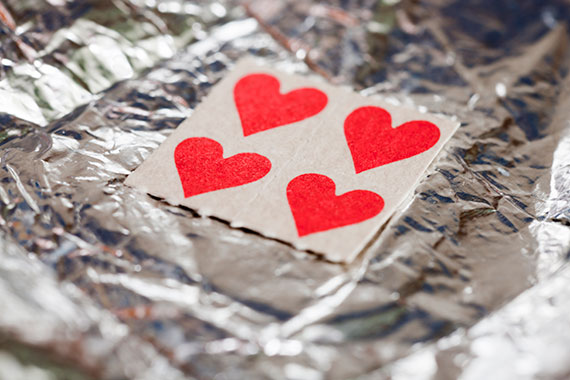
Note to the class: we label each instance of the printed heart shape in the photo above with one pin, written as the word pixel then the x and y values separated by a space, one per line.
pixel 202 168
pixel 316 207
pixel 262 107
pixel 373 142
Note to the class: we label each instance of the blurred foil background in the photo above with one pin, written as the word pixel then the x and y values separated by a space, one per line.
pixel 471 279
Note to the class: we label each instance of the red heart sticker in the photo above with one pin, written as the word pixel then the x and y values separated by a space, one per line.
pixel 373 142
pixel 202 168
pixel 316 208
pixel 262 107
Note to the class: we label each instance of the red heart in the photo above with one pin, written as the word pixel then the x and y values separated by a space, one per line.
pixel 315 207
pixel 202 168
pixel 373 142
pixel 262 107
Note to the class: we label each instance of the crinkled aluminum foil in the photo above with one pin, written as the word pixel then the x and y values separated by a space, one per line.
pixel 98 280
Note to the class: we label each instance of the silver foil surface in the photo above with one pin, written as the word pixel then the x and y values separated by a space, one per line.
pixel 98 281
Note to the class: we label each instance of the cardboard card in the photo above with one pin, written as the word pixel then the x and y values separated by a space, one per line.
pixel 295 159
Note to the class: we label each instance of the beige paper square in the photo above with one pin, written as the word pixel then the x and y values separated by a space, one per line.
pixel 316 144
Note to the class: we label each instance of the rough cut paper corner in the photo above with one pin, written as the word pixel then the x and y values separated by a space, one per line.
pixel 295 159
